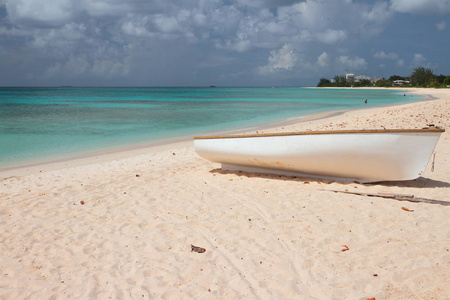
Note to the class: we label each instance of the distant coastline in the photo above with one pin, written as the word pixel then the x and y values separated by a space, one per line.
pixel 420 77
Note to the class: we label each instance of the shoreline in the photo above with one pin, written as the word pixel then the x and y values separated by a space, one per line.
pixel 123 228
pixel 99 156
pixel 118 153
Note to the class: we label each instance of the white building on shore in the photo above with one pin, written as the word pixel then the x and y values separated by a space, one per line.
pixel 350 77
pixel 400 82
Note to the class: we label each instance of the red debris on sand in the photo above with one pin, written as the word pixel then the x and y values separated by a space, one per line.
pixel 82 202
pixel 407 209
pixel 345 248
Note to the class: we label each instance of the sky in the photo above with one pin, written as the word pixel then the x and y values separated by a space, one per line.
pixel 218 42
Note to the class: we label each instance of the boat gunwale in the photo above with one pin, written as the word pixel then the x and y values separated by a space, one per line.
pixel 423 130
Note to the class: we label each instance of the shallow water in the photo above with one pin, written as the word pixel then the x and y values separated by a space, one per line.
pixel 44 123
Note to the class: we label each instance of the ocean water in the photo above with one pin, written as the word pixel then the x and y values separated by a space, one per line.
pixel 38 124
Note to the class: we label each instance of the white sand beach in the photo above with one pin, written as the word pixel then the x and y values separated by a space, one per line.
pixel 122 226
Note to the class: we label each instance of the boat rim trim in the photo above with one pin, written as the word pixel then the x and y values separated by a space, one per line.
pixel 427 129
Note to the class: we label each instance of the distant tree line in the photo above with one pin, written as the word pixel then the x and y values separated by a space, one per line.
pixel 420 77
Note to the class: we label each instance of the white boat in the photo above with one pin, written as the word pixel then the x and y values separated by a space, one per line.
pixel 356 155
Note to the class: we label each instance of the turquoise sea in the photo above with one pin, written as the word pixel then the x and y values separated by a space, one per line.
pixel 38 124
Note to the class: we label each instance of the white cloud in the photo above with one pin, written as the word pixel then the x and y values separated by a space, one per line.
pixel 349 17
pixel 379 12
pixel 353 64
pixel 224 21
pixel 285 58
pixel 441 26
pixel 105 7
pixel 241 46
pixel 422 7
pixel 59 40
pixel 329 22
pixel 400 63
pixel 280 60
pixel 418 59
pixel 41 12
pixel 384 55
pixel 265 3
pixel 323 59
pixel 136 26
pixel 166 24
pixel 331 36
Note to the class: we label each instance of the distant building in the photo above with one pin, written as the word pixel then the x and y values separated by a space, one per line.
pixel 362 77
pixel 349 77
pixel 400 82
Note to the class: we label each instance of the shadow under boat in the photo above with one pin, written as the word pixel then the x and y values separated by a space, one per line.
pixel 421 182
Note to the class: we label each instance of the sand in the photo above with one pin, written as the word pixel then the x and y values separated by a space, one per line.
pixel 122 228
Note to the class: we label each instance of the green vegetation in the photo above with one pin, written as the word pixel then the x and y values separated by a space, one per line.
pixel 420 77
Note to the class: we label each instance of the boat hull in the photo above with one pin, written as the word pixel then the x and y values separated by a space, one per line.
pixel 365 156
